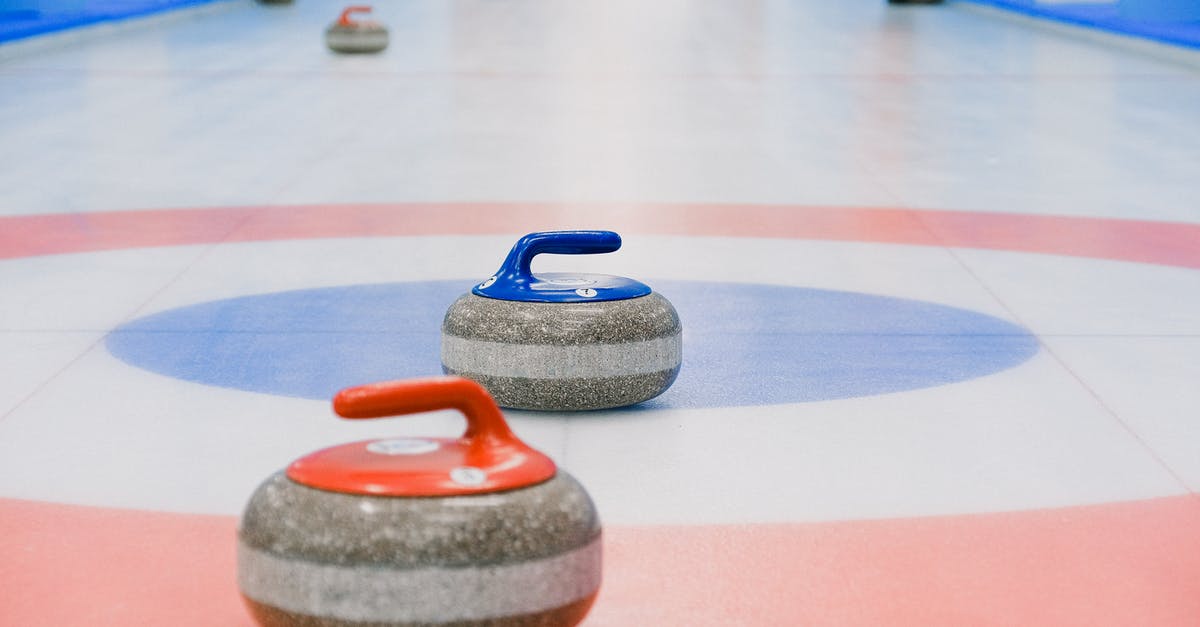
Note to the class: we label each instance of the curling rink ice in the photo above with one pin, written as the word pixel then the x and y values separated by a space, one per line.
pixel 938 270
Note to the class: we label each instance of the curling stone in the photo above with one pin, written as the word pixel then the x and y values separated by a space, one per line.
pixel 479 530
pixel 348 36
pixel 562 341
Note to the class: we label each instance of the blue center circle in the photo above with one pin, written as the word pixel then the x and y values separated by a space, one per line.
pixel 744 344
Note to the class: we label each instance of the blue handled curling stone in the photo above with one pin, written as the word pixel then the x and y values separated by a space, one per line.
pixel 563 341
pixel 346 35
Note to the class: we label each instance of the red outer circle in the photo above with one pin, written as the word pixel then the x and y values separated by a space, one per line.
pixel 1142 241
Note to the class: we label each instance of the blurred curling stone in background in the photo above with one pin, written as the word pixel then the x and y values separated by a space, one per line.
pixel 347 36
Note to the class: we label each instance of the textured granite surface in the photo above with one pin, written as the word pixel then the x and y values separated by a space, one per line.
pixel 368 593
pixel 316 556
pixel 604 322
pixel 289 519
pixel 564 356
pixel 362 37
pixel 565 616
pixel 577 394
pixel 546 361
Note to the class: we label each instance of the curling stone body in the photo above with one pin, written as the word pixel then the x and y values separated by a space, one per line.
pixel 496 536
pixel 559 356
pixel 562 341
pixel 352 37
pixel 529 556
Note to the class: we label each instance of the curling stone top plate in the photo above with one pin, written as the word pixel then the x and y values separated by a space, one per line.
pixel 515 281
pixel 487 458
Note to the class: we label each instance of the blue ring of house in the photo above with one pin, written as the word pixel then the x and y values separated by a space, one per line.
pixel 744 344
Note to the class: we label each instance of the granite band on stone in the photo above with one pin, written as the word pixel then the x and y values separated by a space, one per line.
pixel 356 39
pixel 603 322
pixel 564 356
pixel 570 614
pixel 547 361
pixel 287 518
pixel 524 557
pixel 367 593
pixel 575 393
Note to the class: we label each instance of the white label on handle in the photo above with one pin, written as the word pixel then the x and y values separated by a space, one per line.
pixel 570 281
pixel 468 476
pixel 402 446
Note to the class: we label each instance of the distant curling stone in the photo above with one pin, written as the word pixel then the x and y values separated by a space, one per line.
pixel 480 530
pixel 563 341
pixel 274 1
pixel 348 36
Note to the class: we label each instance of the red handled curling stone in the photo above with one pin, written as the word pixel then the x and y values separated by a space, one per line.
pixel 563 341
pixel 479 530
pixel 349 36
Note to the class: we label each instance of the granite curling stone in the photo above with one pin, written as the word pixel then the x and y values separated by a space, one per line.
pixel 480 530
pixel 351 37
pixel 563 341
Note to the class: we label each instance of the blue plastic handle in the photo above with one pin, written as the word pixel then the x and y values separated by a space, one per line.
pixel 516 267
pixel 516 281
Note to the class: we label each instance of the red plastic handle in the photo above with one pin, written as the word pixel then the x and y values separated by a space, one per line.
pixel 486 427
pixel 344 19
